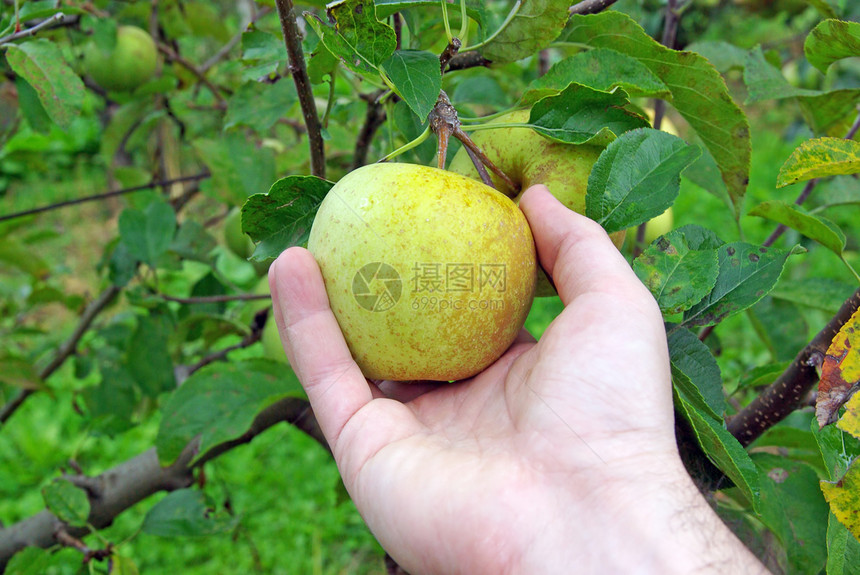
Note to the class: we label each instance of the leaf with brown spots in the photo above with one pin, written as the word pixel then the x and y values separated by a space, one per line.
pixel 747 273
pixel 844 498
pixel 840 373
pixel 677 272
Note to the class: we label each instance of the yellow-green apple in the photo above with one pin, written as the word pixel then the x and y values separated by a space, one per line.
pixel 238 242
pixel 430 274
pixel 271 341
pixel 659 226
pixel 129 65
pixel 528 158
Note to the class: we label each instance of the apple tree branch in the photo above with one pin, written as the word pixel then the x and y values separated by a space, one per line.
pixel 299 72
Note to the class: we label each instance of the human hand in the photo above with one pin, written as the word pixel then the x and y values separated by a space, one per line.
pixel 560 456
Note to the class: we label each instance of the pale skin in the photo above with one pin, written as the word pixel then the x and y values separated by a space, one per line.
pixel 558 458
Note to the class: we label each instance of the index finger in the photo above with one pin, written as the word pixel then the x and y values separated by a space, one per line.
pixel 314 342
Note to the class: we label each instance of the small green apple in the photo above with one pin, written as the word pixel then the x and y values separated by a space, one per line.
pixel 430 274
pixel 528 158
pixel 271 341
pixel 131 63
pixel 659 226
pixel 238 242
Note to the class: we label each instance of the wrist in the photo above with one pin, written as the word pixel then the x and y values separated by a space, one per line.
pixel 648 522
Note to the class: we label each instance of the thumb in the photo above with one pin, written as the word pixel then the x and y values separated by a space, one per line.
pixel 574 250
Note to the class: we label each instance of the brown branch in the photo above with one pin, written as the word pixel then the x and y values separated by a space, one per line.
pixel 200 75
pixel 58 19
pixel 449 52
pixel 373 120
pixel 467 60
pixel 65 350
pixel 590 7
pixel 128 483
pixel 786 394
pixel 299 73
pixel 102 196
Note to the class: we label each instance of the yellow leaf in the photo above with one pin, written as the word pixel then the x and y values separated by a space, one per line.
pixel 840 372
pixel 850 420
pixel 844 498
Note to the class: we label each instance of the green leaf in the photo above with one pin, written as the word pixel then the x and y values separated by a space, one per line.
pixel 843 549
pixel 762 375
pixel 24 258
pixel 19 372
pixel 747 274
pixel 259 105
pixel 837 448
pixel 359 33
pixel 283 217
pixel 780 326
pixel 262 53
pixel 722 55
pixel 29 561
pixel 636 178
pixel 579 114
pixel 529 28
pixel 820 158
pixel 678 274
pixel 67 501
pixel 321 64
pixel 239 168
pixel 817 293
pixel 830 41
pixel 699 93
pixel 148 234
pixel 148 355
pixel 600 69
pixel 723 449
pixel 31 107
pixel 794 510
pixel 219 403
pixel 184 513
pixel 417 77
pixel 696 374
pixel 193 242
pixel 824 111
pixel 41 64
pixel 814 227
pixel 764 82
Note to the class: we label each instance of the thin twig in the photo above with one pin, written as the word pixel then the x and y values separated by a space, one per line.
pixel 200 75
pixel 96 197
pixel 299 72
pixel 373 119
pixel 215 298
pixel 51 22
pixel 65 350
pixel 590 7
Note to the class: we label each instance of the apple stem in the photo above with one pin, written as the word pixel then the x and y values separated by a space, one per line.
pixel 482 170
pixel 445 123
pixel 473 148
